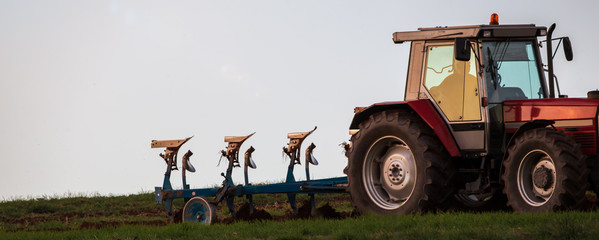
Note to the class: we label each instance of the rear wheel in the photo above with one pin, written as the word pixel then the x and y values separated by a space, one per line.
pixel 544 171
pixel 397 165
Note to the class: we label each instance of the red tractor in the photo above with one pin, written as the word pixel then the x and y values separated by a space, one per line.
pixel 480 125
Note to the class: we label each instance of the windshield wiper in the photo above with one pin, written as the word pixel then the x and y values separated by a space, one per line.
pixel 503 52
pixel 494 66
pixel 491 68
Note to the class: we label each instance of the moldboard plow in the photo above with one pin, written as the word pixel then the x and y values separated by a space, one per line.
pixel 200 204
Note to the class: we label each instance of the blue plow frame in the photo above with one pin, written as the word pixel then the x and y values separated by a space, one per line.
pixel 327 185
pixel 228 191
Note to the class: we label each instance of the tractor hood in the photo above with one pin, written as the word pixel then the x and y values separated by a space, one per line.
pixel 549 109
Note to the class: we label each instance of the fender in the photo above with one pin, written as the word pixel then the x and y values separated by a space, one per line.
pixel 539 123
pixel 424 108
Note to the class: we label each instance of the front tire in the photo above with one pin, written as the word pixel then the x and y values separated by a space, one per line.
pixel 544 171
pixel 397 165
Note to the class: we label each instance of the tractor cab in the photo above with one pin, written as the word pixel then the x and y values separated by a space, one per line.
pixel 468 72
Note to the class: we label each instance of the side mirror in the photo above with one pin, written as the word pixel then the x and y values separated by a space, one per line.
pixel 568 49
pixel 462 49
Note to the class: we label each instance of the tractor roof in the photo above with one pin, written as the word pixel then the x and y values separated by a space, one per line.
pixel 473 31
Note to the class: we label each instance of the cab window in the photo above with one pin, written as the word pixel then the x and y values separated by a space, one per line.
pixel 452 84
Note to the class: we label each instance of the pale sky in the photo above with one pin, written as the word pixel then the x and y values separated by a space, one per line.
pixel 86 85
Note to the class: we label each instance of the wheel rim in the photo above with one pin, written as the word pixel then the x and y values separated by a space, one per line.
pixel 536 178
pixel 198 210
pixel 389 173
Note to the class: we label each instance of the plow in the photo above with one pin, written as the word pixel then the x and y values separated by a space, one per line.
pixel 200 204
pixel 483 123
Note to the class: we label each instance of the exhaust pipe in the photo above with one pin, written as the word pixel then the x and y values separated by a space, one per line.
pixel 550 62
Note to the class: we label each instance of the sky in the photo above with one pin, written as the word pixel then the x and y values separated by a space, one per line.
pixel 86 85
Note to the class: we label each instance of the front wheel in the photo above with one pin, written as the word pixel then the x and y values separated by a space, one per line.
pixel 544 171
pixel 397 165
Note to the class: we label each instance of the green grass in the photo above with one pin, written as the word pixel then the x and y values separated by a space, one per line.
pixel 566 225
pixel 71 212
pixel 127 217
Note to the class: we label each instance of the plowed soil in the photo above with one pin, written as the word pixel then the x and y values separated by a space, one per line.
pixel 98 218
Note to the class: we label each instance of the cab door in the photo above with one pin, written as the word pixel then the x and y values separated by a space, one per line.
pixel 454 87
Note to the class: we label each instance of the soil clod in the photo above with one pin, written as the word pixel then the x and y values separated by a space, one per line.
pixel 259 214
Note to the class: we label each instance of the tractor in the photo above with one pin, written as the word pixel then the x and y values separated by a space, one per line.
pixel 481 126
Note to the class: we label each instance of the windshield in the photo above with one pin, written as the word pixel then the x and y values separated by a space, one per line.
pixel 511 71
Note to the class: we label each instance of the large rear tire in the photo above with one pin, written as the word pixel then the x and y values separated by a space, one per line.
pixel 397 165
pixel 544 171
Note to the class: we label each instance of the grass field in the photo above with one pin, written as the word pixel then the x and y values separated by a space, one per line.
pixel 139 217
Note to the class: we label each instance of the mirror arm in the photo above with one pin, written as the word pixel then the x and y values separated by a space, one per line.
pixel 479 61
pixel 557 47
